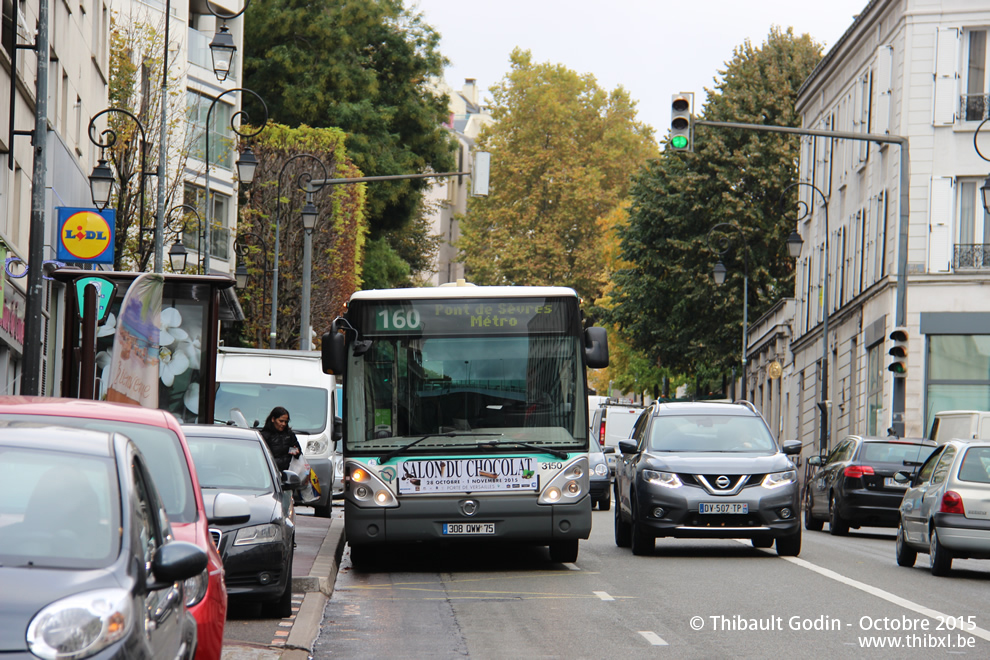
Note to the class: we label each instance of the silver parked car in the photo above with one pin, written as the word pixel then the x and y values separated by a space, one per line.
pixel 946 508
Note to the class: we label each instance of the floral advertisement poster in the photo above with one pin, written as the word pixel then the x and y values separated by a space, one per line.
pixel 180 353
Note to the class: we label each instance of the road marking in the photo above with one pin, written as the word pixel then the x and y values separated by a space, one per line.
pixel 602 595
pixel 880 593
pixel 653 638
pixel 572 567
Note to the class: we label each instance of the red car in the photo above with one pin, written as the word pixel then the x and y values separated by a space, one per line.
pixel 159 437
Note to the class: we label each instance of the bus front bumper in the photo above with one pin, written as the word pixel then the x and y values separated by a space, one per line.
pixel 444 519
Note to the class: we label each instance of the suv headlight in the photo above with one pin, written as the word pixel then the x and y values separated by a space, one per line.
pixel 665 479
pixel 81 625
pixel 268 533
pixel 778 479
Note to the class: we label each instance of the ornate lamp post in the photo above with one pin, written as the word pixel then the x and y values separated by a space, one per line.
pixel 241 273
pixel 101 180
pixel 805 210
pixel 246 165
pixel 177 254
pixel 720 242
pixel 304 182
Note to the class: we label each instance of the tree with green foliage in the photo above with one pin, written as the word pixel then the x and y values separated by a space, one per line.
pixel 363 66
pixel 562 153
pixel 665 301
pixel 337 241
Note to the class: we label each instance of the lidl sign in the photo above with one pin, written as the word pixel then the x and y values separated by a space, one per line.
pixel 85 235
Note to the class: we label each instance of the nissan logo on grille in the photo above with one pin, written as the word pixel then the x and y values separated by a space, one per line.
pixel 722 481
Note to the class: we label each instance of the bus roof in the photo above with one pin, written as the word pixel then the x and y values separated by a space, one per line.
pixel 470 291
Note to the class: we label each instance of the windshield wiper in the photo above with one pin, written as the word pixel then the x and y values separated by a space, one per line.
pixel 496 443
pixel 395 452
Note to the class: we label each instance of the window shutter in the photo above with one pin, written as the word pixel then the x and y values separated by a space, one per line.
pixel 939 245
pixel 885 56
pixel 946 68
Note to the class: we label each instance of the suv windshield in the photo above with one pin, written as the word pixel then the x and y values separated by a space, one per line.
pixel 711 433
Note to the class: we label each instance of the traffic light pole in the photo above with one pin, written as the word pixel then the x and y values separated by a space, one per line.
pixel 900 301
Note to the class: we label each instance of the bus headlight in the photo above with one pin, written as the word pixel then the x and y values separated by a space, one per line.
pixel 567 486
pixel 365 489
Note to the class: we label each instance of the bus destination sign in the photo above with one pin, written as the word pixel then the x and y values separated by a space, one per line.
pixel 481 316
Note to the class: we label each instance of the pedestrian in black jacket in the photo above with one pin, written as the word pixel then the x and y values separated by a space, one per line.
pixel 281 439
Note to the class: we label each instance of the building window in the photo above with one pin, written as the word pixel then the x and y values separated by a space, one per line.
pixel 975 100
pixel 958 374
pixel 219 239
pixel 972 248
pixel 221 134
pixel 874 387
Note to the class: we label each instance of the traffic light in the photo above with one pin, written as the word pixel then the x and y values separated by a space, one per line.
pixel 899 351
pixel 682 121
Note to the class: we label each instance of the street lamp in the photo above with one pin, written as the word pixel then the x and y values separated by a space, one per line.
pixel 720 242
pixel 794 243
pixel 102 179
pixel 246 165
pixel 177 254
pixel 222 49
pixel 304 182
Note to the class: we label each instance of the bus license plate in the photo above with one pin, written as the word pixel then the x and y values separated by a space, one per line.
pixel 729 508
pixel 453 529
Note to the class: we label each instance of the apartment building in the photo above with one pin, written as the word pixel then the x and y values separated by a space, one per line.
pixel 916 69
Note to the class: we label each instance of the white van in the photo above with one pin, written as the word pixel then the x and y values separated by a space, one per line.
pixel 960 425
pixel 253 381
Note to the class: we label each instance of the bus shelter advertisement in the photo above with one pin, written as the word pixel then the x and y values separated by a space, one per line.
pixel 469 475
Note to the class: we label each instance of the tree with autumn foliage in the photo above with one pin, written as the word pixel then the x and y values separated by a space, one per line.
pixel 562 153
pixel 665 300
pixel 337 241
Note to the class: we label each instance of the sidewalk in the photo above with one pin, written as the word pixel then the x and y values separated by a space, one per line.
pixel 319 543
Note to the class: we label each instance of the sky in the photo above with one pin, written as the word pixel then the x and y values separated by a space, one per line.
pixel 652 48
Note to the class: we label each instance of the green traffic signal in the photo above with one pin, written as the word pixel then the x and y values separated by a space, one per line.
pixel 679 142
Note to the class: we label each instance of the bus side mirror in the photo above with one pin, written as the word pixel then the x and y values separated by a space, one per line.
pixel 333 352
pixel 596 347
pixel 337 432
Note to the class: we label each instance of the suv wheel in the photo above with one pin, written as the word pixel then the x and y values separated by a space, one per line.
pixel 623 533
pixel 906 555
pixel 941 558
pixel 789 546
pixel 811 523
pixel 605 503
pixel 836 525
pixel 641 542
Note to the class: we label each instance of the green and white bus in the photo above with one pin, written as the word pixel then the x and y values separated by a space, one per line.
pixel 465 416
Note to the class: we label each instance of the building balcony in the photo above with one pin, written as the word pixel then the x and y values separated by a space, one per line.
pixel 971 256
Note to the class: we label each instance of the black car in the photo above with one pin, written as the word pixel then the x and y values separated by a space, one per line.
pixel 257 554
pixel 87 564
pixel 706 470
pixel 600 476
pixel 854 485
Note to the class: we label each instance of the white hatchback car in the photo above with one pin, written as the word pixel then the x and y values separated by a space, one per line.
pixel 945 511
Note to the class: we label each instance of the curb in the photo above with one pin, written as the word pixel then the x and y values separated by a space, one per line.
pixel 318 588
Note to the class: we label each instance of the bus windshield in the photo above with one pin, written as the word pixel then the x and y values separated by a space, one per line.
pixel 464 391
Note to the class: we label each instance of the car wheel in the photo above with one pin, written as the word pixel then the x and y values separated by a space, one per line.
pixel 941 559
pixel 641 541
pixel 605 503
pixel 811 523
pixel 906 555
pixel 623 533
pixel 789 546
pixel 325 511
pixel 763 542
pixel 836 525
pixel 564 552
pixel 281 607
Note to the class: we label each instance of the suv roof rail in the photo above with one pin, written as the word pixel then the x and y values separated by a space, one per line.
pixel 748 404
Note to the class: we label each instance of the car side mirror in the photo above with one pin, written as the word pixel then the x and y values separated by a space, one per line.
pixel 229 509
pixel 903 477
pixel 175 561
pixel 338 432
pixel 291 480
pixel 815 460
pixel 792 447
pixel 627 447
pixel 608 450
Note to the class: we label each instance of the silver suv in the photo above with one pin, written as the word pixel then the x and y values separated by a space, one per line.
pixel 706 470
pixel 945 511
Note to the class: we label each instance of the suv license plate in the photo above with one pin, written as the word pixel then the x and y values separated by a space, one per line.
pixel 730 508
pixel 455 529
